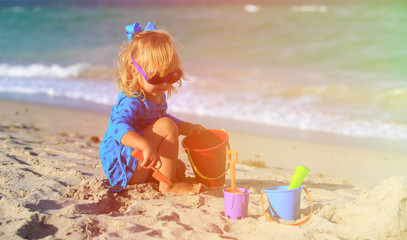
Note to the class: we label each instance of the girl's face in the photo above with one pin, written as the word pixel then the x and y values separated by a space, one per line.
pixel 155 87
pixel 155 91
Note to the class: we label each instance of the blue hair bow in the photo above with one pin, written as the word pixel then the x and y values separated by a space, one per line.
pixel 136 27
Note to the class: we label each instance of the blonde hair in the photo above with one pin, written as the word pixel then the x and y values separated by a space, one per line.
pixel 154 52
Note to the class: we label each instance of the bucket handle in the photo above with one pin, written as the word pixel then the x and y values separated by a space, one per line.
pixel 292 224
pixel 199 173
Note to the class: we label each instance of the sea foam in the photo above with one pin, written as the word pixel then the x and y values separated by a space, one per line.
pixel 40 70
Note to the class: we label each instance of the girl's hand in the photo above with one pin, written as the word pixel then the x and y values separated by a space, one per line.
pixel 151 158
pixel 187 128
pixel 196 128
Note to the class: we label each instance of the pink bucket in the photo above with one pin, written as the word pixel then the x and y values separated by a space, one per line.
pixel 236 204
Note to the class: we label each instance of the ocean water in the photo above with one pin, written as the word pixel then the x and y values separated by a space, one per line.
pixel 327 66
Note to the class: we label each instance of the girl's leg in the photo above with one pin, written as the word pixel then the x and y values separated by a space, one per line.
pixel 181 168
pixel 140 175
pixel 163 134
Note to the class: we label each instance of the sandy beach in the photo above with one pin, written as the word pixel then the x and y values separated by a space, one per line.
pixel 52 186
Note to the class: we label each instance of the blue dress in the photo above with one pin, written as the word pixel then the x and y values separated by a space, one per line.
pixel 128 114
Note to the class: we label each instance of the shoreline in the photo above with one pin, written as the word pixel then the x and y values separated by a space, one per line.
pixel 53 186
pixel 370 143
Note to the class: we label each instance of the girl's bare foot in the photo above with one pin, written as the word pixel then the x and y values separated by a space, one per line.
pixel 181 188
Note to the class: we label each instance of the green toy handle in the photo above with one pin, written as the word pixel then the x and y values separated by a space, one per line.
pixel 299 175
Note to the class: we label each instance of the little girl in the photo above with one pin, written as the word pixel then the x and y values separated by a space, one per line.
pixel 147 68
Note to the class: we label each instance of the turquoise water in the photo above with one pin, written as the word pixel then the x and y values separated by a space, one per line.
pixel 330 66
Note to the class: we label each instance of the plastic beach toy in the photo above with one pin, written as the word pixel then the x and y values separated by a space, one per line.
pixel 236 204
pixel 207 154
pixel 284 203
pixel 236 199
pixel 299 175
pixel 156 174
pixel 233 188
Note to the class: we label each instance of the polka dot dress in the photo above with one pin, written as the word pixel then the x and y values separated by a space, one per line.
pixel 128 114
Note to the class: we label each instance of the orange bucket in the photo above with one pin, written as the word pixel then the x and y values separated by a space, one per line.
pixel 207 154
